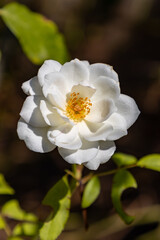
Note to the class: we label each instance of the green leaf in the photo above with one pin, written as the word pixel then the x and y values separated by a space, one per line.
pixel 91 192
pixel 151 161
pixel 13 210
pixel 121 181
pixel 58 198
pixel 2 223
pixel 38 36
pixel 25 229
pixel 122 159
pixel 4 187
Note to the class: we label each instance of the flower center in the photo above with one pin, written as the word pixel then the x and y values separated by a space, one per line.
pixel 77 107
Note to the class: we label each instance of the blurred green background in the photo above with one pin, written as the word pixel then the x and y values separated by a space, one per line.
pixel 126 35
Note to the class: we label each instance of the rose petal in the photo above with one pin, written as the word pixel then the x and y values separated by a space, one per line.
pixel 127 107
pixel 87 152
pixel 101 110
pixel 76 71
pixel 94 131
pixel 50 114
pixel 99 69
pixel 106 86
pixel 65 136
pixel 55 88
pixel 84 91
pixel 86 63
pixel 119 127
pixel 35 138
pixel 31 113
pixel 32 87
pixel 106 150
pixel 48 67
pixel 57 80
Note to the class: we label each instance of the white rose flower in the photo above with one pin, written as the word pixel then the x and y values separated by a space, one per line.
pixel 77 107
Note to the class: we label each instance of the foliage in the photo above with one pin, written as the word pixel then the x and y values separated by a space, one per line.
pixel 91 192
pixel 121 181
pixel 38 36
pixel 151 161
pixel 4 187
pixel 122 159
pixel 58 198
pixel 26 223
pixel 41 40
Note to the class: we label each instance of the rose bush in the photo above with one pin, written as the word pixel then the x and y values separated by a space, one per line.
pixel 77 107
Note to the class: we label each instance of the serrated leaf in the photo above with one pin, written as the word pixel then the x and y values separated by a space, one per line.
pixel 91 192
pixel 38 36
pixel 25 229
pixel 4 187
pixel 151 161
pixel 122 159
pixel 121 181
pixel 13 210
pixel 2 223
pixel 58 198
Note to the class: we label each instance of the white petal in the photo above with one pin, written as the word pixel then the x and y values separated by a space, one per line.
pixel 106 86
pixel 32 87
pixel 31 113
pixel 48 67
pixel 35 138
pixel 119 126
pixel 76 71
pixel 65 136
pixel 127 108
pixel 101 110
pixel 86 63
pixel 94 131
pixel 50 114
pixel 87 152
pixel 64 117
pixel 55 88
pixel 84 91
pixel 100 69
pixel 106 150
pixel 57 80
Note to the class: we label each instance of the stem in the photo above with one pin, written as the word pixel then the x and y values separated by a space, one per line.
pixel 89 176
pixel 84 210
pixel 114 170
pixel 6 228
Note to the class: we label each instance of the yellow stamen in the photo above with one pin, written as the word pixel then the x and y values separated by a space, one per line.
pixel 77 107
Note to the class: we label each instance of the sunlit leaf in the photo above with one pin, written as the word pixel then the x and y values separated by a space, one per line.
pixel 151 161
pixel 91 192
pixel 122 159
pixel 2 223
pixel 25 229
pixel 121 181
pixel 58 198
pixel 38 36
pixel 4 187
pixel 13 210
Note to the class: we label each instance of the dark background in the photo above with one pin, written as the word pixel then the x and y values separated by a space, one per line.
pixel 124 34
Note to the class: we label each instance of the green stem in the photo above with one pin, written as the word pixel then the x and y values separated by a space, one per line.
pixel 88 177
pixel 6 228
pixel 114 170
